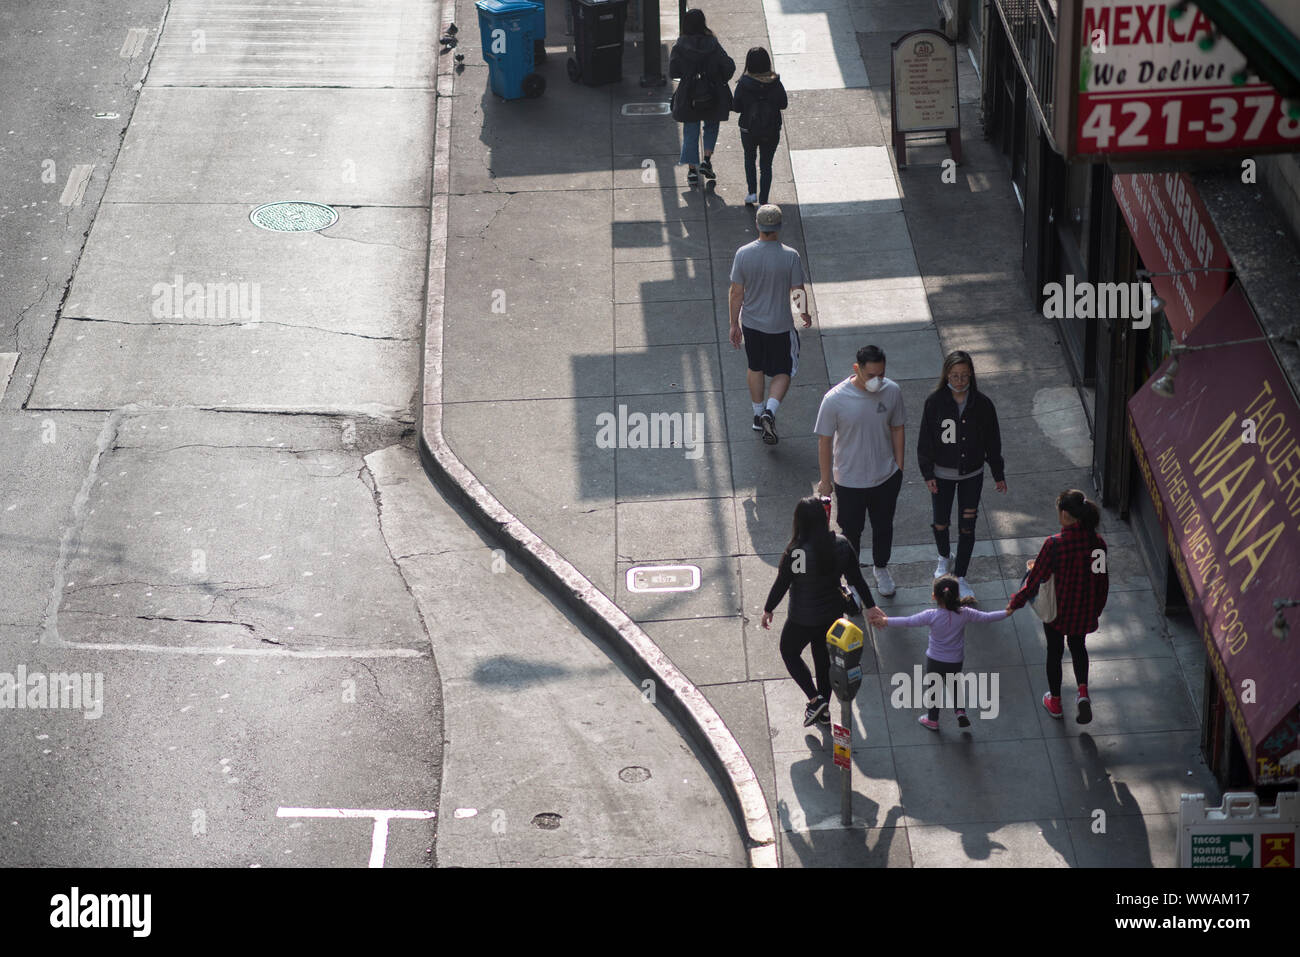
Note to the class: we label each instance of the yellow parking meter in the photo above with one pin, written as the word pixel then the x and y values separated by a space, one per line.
pixel 844 641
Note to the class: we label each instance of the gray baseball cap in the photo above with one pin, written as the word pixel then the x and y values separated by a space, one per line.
pixel 768 218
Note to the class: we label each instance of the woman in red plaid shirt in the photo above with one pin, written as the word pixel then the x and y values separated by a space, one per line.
pixel 1076 558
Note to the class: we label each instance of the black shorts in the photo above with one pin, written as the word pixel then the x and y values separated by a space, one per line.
pixel 772 353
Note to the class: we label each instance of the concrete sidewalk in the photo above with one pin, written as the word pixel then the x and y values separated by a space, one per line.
pixel 583 276
pixel 223 510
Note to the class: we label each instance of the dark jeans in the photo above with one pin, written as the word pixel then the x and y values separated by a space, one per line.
pixel 968 500
pixel 854 505
pixel 1056 651
pixel 763 152
pixel 941 668
pixel 794 639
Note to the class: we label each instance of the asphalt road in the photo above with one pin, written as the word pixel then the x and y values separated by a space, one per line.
pixel 201 544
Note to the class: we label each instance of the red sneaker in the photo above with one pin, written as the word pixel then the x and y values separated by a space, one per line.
pixel 1053 704
pixel 1085 706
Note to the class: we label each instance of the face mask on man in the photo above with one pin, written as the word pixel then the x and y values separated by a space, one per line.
pixel 875 383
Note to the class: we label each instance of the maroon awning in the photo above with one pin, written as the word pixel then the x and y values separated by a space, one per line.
pixel 1231 512
pixel 1172 231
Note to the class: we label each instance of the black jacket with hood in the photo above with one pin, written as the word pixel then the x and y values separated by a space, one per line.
pixel 752 86
pixel 702 54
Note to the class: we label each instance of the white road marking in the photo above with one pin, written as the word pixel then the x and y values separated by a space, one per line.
pixel 378 837
pixel 7 362
pixel 248 652
pixel 78 180
pixel 134 43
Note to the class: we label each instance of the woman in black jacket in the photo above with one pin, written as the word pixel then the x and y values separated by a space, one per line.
pixel 811 568
pixel 760 98
pixel 703 97
pixel 959 433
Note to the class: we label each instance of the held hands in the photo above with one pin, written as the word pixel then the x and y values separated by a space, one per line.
pixel 807 319
pixel 766 621
pixel 932 485
pixel 824 487
pixel 877 617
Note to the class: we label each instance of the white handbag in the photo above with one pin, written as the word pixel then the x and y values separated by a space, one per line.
pixel 1045 601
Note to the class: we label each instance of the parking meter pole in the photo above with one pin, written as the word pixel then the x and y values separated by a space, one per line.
pixel 653 74
pixel 846 773
pixel 844 643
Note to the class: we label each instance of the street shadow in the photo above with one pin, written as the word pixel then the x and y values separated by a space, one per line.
pixel 835 845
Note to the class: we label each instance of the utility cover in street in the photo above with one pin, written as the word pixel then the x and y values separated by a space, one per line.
pixel 294 217
pixel 663 578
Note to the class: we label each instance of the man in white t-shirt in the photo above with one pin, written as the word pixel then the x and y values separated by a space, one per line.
pixel 860 430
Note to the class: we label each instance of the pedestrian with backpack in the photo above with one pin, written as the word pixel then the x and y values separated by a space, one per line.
pixel 760 98
pixel 702 99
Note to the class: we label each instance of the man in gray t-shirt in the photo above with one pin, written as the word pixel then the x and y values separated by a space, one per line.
pixel 860 427
pixel 762 276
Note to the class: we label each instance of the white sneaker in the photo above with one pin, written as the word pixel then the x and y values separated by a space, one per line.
pixel 941 569
pixel 751 199
pixel 964 590
pixel 885 582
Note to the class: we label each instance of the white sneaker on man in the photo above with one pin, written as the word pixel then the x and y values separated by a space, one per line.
pixel 964 590
pixel 941 569
pixel 885 582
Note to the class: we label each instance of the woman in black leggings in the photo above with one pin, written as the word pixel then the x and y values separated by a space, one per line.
pixel 811 568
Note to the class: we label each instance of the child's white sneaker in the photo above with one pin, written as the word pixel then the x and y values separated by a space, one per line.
pixel 964 590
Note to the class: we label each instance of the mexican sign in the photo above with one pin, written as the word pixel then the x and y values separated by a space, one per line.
pixel 1221 458
pixel 1134 83
pixel 1172 231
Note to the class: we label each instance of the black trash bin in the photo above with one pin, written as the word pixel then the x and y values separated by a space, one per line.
pixel 598 41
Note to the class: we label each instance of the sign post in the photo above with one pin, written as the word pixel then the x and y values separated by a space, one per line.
pixel 923 90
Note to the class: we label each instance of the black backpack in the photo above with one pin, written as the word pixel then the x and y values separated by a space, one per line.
pixel 761 120
pixel 700 94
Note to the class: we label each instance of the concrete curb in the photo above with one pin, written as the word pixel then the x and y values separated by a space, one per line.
pixel 638 651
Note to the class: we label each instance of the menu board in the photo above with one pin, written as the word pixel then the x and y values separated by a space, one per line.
pixel 925 82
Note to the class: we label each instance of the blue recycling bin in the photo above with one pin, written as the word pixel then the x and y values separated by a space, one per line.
pixel 507 29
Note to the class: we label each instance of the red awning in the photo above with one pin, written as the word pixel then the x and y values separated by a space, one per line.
pixel 1222 461
pixel 1172 231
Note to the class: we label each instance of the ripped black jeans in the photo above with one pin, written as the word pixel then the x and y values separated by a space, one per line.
pixel 967 492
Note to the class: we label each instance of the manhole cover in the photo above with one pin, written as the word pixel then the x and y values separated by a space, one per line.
pixel 634 774
pixel 547 821
pixel 293 217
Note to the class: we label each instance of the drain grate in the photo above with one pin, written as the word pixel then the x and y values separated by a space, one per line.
pixel 294 217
